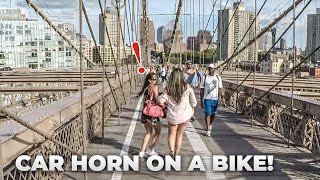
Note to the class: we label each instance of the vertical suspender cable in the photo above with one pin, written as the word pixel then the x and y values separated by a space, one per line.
pixel 137 21
pixel 255 62
pixel 130 41
pixel 123 32
pixel 123 44
pixel 202 31
pixel 198 42
pixel 220 34
pixel 193 37
pixel 263 31
pixel 212 41
pixel 115 63
pixel 146 32
pixel 83 109
pixel 186 26
pixel 118 44
pixel 105 77
pixel 190 22
pixel 181 30
pixel 174 32
pixel 133 27
pixel 103 68
pixel 294 64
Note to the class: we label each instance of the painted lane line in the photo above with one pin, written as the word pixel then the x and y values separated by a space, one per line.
pixel 117 175
pixel 201 149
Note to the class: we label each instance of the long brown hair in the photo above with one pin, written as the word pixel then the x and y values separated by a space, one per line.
pixel 146 83
pixel 176 85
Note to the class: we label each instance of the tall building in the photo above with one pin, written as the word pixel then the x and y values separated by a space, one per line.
pixel 151 33
pixel 203 40
pixel 34 44
pixel 108 58
pixel 235 32
pixel 283 44
pixel 112 26
pixel 274 36
pixel 191 43
pixel 87 46
pixel 265 41
pixel 178 44
pixel 159 34
pixel 313 36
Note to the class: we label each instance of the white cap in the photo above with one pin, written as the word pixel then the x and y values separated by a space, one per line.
pixel 211 66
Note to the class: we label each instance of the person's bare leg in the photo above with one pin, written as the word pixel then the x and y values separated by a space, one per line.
pixel 212 117
pixel 155 135
pixel 208 121
pixel 146 137
pixel 179 137
pixel 172 137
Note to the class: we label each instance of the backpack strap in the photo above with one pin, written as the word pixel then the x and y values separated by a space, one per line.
pixel 204 81
pixel 218 78
pixel 150 92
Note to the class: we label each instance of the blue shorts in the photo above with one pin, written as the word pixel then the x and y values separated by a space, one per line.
pixel 210 106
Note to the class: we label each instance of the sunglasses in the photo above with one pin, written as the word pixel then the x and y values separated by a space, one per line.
pixel 153 79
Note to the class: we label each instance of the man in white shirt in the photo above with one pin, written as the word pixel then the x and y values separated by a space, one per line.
pixel 211 90
pixel 163 73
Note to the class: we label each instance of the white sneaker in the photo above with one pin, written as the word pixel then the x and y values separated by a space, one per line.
pixel 209 133
pixel 152 152
pixel 141 154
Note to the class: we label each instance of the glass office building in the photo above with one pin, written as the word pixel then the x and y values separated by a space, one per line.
pixel 34 44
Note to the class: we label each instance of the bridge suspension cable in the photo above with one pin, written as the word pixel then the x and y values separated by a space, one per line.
pixel 245 34
pixel 229 22
pixel 114 61
pixel 132 20
pixel 146 31
pixel 130 40
pixel 264 30
pixel 294 63
pixel 83 106
pixel 304 60
pixel 175 28
pixel 255 59
pixel 28 125
pixel 56 29
pixel 270 49
pixel 215 29
pixel 123 42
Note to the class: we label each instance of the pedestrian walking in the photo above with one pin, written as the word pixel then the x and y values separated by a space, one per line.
pixel 180 100
pixel 211 90
pixel 151 124
pixel 163 73
pixel 192 77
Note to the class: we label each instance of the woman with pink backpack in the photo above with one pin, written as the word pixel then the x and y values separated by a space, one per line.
pixel 150 118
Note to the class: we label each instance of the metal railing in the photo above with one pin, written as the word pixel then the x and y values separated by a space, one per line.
pixel 274 111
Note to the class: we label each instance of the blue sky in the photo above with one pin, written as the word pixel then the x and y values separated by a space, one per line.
pixel 67 10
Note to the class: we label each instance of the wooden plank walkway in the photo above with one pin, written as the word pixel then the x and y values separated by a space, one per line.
pixel 232 135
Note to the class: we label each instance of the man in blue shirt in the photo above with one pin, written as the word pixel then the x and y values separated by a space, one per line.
pixel 191 76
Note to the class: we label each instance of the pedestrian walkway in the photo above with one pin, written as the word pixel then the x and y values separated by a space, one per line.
pixel 232 135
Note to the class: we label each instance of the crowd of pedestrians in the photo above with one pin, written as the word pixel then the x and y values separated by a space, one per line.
pixel 177 102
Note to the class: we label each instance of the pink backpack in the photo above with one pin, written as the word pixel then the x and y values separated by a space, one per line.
pixel 151 108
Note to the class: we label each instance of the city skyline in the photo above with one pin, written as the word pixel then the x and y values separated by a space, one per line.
pixel 68 12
